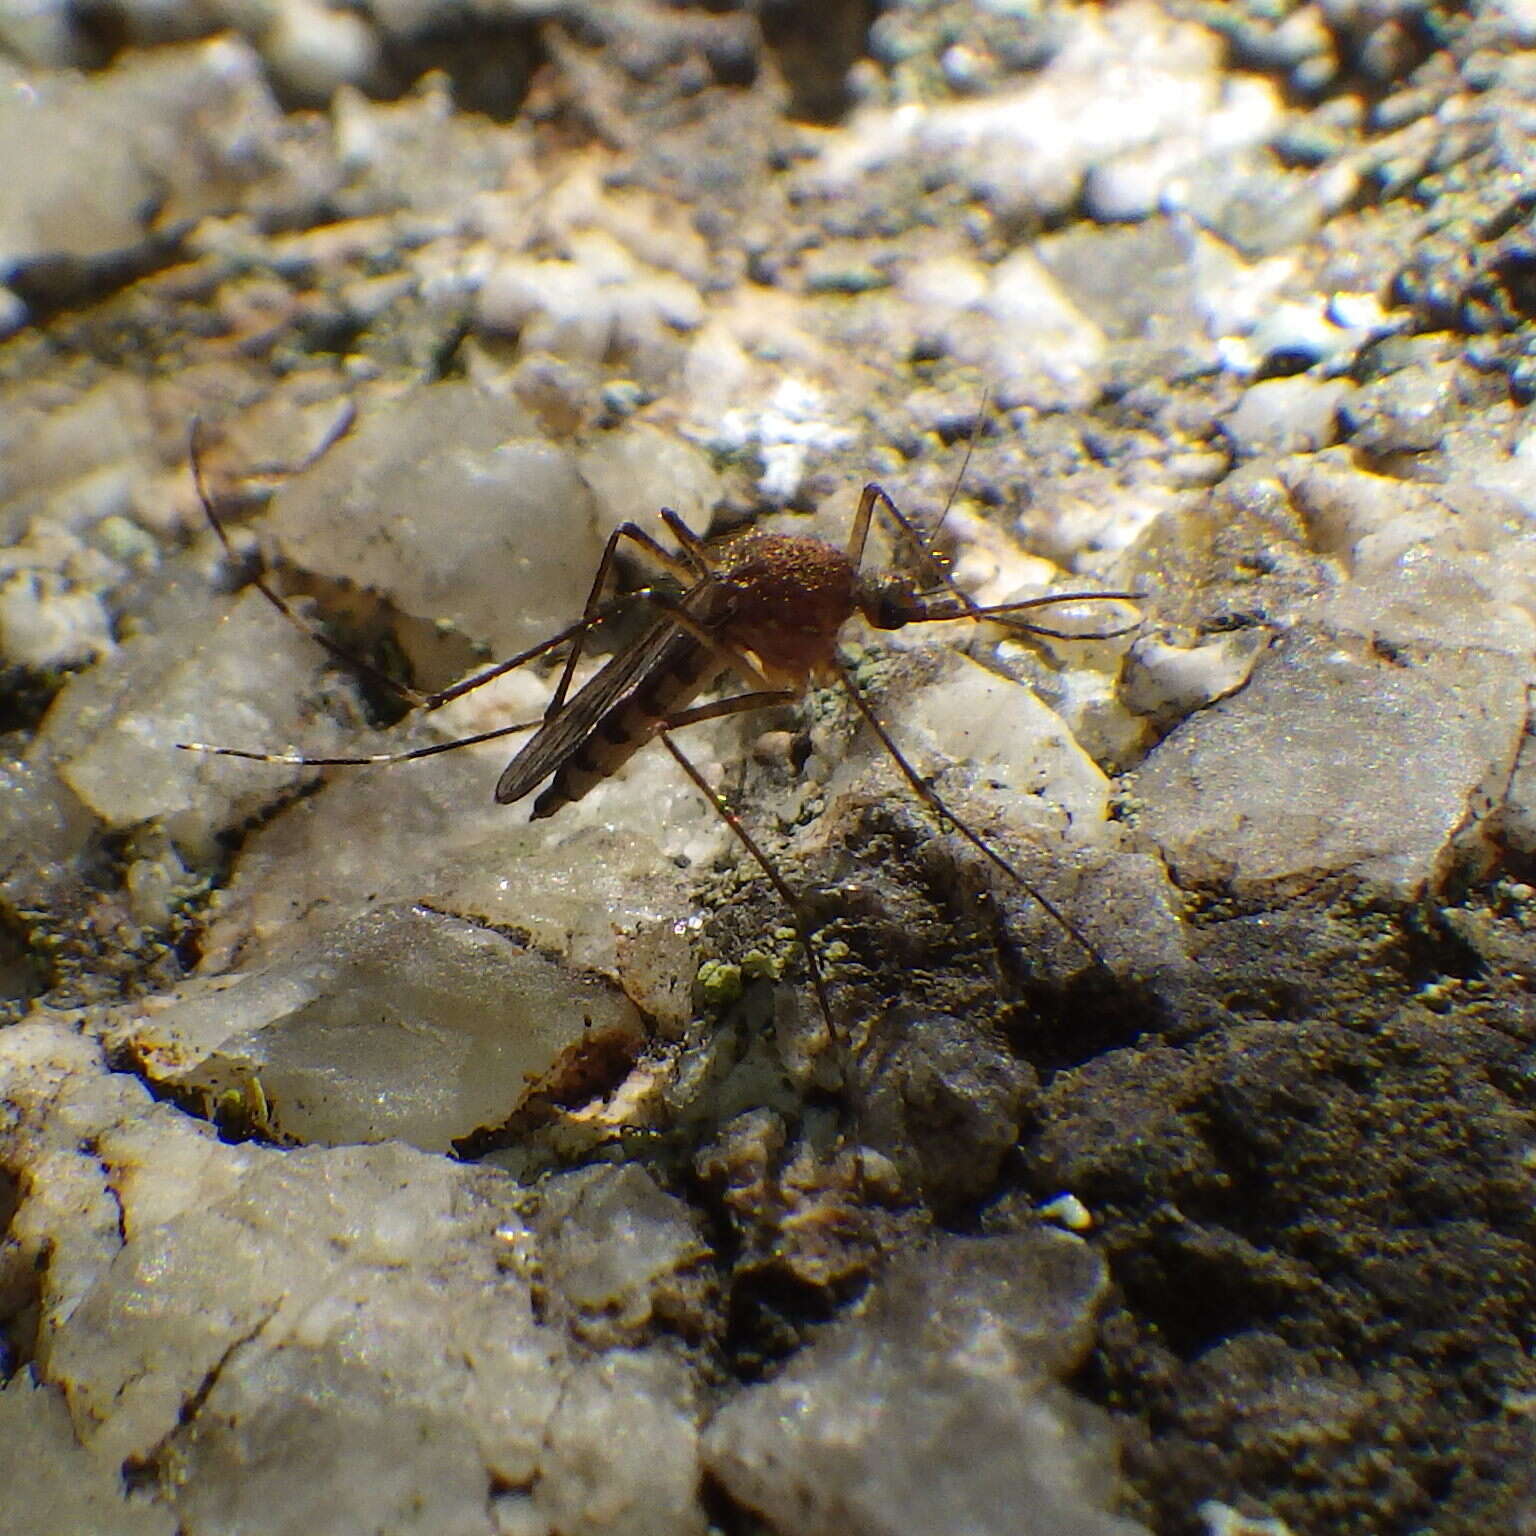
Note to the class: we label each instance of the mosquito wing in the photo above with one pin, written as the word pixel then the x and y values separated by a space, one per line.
pixel 662 651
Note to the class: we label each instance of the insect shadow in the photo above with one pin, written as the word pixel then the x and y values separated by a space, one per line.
pixel 766 608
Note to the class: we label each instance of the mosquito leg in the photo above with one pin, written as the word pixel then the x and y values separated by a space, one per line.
pixel 695 551
pixel 412 696
pixel 858 534
pixel 921 541
pixel 923 545
pixel 710 711
pixel 595 611
pixel 930 797
pixel 299 760
pixel 714 640
pixel 967 607
pixel 690 568
pixel 664 557
pixel 965 463
pixel 345 420
pixel 737 704
pixel 876 496
pixel 574 631
pixel 791 902
pixel 392 685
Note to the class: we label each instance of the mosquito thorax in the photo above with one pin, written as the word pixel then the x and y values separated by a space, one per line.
pixel 791 595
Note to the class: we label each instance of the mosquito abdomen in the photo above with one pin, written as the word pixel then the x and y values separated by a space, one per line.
pixel 679 676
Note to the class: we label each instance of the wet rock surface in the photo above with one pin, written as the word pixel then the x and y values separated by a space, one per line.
pixel 373 1157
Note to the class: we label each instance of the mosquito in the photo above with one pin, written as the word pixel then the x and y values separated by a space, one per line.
pixel 768 608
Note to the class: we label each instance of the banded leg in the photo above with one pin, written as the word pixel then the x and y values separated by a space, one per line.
pixel 723 809
pixel 874 496
pixel 300 760
pixel 930 798
pixel 741 704
pixel 965 606
pixel 687 570
pixel 922 542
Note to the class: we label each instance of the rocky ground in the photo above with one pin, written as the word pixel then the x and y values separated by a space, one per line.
pixel 373 1158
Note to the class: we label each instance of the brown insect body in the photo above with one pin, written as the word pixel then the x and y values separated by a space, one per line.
pixel 790 597
pixel 775 604
pixel 771 608
pixel 613 715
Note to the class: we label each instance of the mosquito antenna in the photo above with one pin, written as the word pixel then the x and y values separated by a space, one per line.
pixel 1008 615
pixel 965 463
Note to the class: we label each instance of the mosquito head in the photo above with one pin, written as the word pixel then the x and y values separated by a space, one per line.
pixel 891 600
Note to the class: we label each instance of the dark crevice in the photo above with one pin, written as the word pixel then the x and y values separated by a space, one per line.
pixel 488 63
pixel 20 1288
pixel 143 1473
pixel 53 286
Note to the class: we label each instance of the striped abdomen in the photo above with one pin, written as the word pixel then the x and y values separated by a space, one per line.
pixel 610 718
pixel 684 670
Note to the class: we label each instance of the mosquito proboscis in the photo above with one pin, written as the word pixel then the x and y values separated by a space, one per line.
pixel 769 608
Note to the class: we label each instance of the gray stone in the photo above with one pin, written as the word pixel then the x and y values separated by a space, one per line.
pixel 451 504
pixel 1120 86
pixel 113 731
pixel 1381 727
pixel 1334 765
pixel 1516 817
pixel 635 470
pixel 40 34
pixel 342 1340
pixel 1406 412
pixel 600 304
pixel 945 1104
pixel 958 1347
pixel 113 161
pixel 1261 209
pixel 623 1257
pixel 406 1024
pixel 67 1490
pixel 1280 416
pixel 967 715
pixel 430 833
pixel 313 50
pixel 1047 351
pixel 621 1457
pixel 107 429
pixel 43 624
pixel 1164 682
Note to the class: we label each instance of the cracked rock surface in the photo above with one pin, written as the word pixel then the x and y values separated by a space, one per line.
pixel 375 1157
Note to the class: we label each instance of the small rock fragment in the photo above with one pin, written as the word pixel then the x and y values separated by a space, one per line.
pixel 508 554
pixel 405 1024
pixel 958 1346
pixel 622 1256
pixel 1167 682
pixel 1279 416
